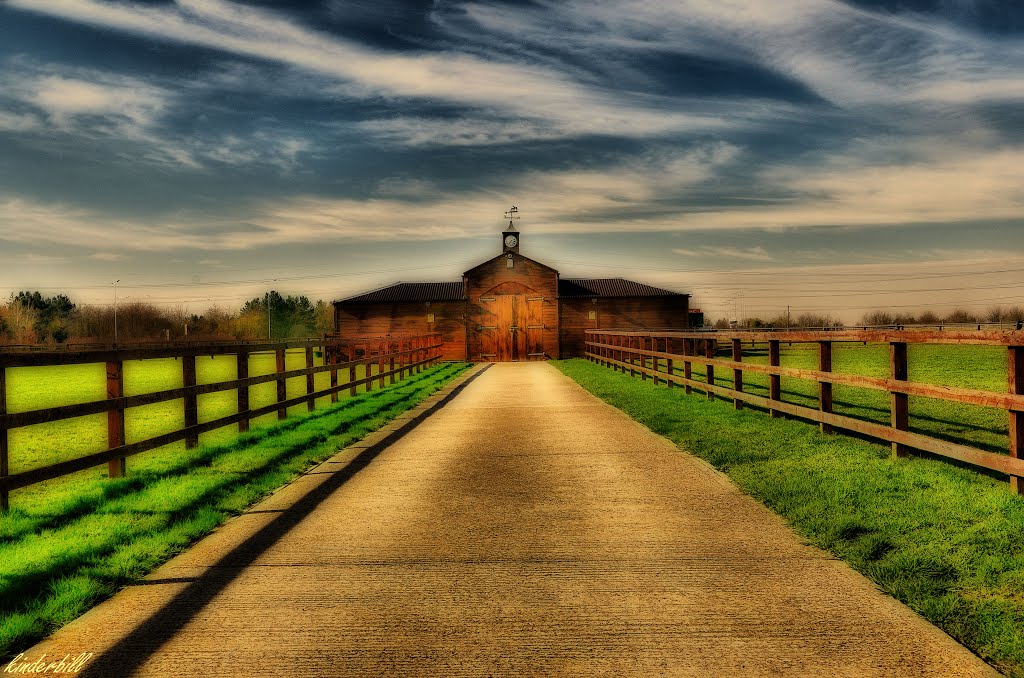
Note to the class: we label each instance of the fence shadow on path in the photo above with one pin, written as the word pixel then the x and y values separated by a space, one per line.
pixel 134 649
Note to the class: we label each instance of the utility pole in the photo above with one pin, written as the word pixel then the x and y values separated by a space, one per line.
pixel 788 323
pixel 270 308
pixel 115 309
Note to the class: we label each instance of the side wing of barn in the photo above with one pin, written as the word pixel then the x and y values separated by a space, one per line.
pixel 615 303
pixel 407 309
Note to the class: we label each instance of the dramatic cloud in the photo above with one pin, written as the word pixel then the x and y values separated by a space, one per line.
pixel 702 131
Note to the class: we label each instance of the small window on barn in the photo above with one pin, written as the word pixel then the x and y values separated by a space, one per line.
pixel 430 317
pixel 511 262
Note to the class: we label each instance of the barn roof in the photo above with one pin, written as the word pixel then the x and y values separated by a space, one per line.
pixel 609 287
pixel 454 291
pixel 415 291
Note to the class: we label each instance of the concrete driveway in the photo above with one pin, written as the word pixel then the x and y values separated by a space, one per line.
pixel 512 525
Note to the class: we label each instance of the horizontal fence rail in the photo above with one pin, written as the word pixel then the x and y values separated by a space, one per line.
pixel 392 358
pixel 669 356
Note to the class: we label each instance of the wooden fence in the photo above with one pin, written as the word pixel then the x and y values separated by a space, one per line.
pixel 659 356
pixel 392 357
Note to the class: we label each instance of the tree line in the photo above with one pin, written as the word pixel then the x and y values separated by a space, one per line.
pixel 29 317
pixel 959 316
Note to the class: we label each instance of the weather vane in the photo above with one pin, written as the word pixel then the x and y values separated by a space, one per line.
pixel 512 215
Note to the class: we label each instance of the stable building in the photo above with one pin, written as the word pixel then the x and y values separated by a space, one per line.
pixel 510 308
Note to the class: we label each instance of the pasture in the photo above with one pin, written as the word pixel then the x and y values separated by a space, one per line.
pixel 977 367
pixel 942 538
pixel 32 388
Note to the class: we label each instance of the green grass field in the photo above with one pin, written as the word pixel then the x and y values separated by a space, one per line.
pixel 67 544
pixel 976 367
pixel 943 539
pixel 40 387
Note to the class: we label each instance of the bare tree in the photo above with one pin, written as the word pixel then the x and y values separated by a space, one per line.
pixel 21 322
pixel 878 318
pixel 816 320
pixel 959 315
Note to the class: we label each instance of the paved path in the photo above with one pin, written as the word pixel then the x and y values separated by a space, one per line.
pixel 520 527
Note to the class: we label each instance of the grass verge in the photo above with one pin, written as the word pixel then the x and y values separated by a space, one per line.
pixel 78 544
pixel 944 540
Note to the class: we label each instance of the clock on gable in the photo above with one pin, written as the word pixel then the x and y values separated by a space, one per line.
pixel 510 236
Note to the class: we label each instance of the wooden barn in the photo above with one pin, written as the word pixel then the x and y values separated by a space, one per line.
pixel 510 308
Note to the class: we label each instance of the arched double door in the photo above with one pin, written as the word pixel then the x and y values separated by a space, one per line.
pixel 511 327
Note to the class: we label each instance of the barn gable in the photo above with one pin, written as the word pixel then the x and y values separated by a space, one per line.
pixel 512 309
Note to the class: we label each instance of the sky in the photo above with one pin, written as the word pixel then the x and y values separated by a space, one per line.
pixel 833 157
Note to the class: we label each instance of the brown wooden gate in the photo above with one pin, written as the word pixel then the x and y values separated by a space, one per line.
pixel 511 328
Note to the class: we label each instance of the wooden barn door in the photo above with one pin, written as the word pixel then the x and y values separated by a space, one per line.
pixel 506 331
pixel 533 323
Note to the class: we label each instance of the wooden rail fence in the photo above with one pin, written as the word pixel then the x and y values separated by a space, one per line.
pixel 383 359
pixel 657 355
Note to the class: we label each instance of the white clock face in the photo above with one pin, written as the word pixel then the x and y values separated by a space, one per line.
pixel 510 241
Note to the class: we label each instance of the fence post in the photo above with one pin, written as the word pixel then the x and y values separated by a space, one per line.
pixel 774 380
pixel 899 402
pixel 824 387
pixel 115 418
pixel 654 360
pixel 242 372
pixel 368 368
pixel 352 377
pixel 737 372
pixel 709 370
pixel 5 500
pixel 632 356
pixel 391 362
pixel 310 381
pixel 688 349
pixel 670 363
pixel 188 379
pixel 334 375
pixel 1016 382
pixel 380 364
pixel 643 358
pixel 402 357
pixel 282 386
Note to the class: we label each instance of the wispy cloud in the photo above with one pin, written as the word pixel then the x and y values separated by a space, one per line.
pixel 743 254
pixel 107 256
pixel 549 100
pixel 49 103
pixel 64 98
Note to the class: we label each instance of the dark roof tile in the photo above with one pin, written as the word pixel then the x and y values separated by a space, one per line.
pixel 418 291
pixel 453 291
pixel 608 287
